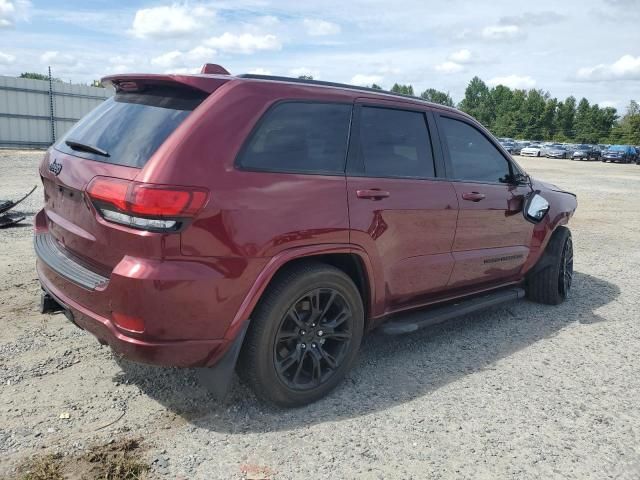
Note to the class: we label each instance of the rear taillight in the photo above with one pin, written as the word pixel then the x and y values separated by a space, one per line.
pixel 145 206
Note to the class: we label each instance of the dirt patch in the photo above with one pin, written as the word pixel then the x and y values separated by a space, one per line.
pixel 121 460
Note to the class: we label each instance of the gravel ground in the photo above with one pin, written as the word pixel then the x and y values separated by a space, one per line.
pixel 524 391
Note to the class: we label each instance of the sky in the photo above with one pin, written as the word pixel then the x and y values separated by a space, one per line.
pixel 584 48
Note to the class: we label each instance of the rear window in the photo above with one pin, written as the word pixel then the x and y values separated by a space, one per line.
pixel 300 137
pixel 130 127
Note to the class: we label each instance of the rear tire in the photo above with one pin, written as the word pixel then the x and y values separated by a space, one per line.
pixel 551 285
pixel 304 336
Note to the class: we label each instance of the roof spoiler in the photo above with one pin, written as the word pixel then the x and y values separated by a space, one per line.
pixel 132 82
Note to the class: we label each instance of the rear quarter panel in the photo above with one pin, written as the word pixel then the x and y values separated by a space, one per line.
pixel 249 214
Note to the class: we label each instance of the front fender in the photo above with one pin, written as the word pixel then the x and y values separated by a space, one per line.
pixel 563 205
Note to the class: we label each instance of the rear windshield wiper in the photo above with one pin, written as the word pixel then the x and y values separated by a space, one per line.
pixel 85 147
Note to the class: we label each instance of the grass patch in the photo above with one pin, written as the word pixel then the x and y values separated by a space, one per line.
pixel 47 467
pixel 119 460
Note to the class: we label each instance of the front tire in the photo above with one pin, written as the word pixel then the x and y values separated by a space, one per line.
pixel 552 283
pixel 304 335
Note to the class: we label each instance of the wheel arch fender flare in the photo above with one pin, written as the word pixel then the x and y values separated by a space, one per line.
pixel 264 278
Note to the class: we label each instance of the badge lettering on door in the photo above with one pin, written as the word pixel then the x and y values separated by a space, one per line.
pixel 503 259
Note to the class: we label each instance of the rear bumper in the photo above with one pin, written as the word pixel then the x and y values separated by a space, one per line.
pixel 190 309
pixel 183 353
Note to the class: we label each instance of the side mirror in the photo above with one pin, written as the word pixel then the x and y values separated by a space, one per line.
pixel 520 179
pixel 535 207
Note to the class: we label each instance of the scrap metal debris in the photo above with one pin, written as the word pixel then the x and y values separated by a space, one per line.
pixel 9 219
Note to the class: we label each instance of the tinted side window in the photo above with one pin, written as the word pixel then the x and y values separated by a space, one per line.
pixel 395 143
pixel 300 137
pixel 473 157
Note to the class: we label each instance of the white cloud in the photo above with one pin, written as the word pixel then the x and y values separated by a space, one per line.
pixel 12 11
pixel 449 67
pixel 513 81
pixel 169 21
pixel 6 58
pixel 608 103
pixel 201 54
pixel 259 71
pixel 626 67
pixel 365 80
pixel 318 28
pixel 55 58
pixel 123 60
pixel 168 59
pixel 545 18
pixel 244 43
pixel 300 71
pixel 191 59
pixel 501 32
pixel 461 56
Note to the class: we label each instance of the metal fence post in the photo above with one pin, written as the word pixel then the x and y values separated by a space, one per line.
pixel 51 112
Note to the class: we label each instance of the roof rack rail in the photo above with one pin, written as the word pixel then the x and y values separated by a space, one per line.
pixel 330 84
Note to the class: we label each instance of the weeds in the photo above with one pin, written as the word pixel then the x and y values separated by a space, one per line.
pixel 47 467
pixel 119 460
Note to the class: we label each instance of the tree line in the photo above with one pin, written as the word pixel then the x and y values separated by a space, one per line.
pixel 531 114
pixel 535 115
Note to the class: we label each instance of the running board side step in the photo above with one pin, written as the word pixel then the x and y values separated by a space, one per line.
pixel 418 319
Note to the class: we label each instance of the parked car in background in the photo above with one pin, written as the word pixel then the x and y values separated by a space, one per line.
pixel 510 147
pixel 556 151
pixel 240 226
pixel 518 146
pixel 585 152
pixel 620 154
pixel 532 150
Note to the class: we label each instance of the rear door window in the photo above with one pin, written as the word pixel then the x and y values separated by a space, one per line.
pixel 300 137
pixel 395 143
pixel 131 126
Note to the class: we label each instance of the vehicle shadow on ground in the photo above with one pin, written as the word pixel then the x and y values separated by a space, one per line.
pixel 390 370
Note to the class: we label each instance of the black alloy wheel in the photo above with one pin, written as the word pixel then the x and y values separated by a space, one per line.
pixel 566 269
pixel 313 339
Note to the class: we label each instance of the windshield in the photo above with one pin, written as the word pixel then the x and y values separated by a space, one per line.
pixel 128 128
pixel 618 148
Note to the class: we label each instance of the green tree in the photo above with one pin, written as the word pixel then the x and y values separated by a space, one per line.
pixel 566 117
pixel 533 114
pixel 402 89
pixel 375 86
pixel 504 124
pixel 583 127
pixel 477 102
pixel 549 118
pixel 305 77
pixel 627 130
pixel 38 76
pixel 436 96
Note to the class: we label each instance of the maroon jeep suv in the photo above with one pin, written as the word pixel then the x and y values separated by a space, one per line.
pixel 264 224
